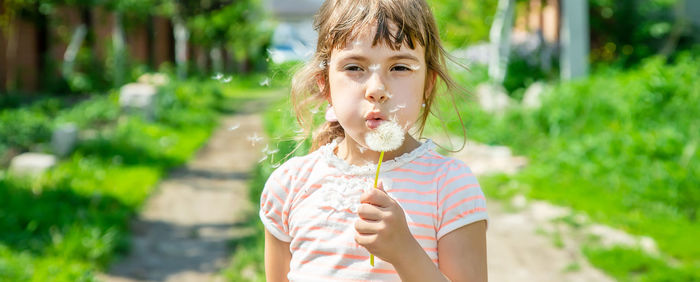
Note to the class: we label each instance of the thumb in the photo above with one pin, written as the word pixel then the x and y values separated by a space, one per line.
pixel 380 185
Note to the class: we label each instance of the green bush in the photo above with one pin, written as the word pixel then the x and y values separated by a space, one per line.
pixel 618 145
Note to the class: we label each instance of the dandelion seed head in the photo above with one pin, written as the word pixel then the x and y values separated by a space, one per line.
pixel 387 137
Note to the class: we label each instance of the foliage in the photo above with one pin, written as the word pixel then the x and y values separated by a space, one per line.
pixel 624 32
pixel 69 223
pixel 618 145
pixel 463 22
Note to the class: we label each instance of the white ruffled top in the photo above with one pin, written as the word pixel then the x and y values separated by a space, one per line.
pixel 328 154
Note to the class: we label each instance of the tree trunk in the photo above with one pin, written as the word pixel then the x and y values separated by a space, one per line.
pixel 119 42
pixel 500 40
pixel 182 35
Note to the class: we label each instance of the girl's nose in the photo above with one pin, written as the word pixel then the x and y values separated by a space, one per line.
pixel 376 92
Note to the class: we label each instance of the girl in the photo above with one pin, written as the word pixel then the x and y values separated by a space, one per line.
pixel 376 61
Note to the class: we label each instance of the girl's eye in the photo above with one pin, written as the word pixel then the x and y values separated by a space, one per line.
pixel 353 68
pixel 400 68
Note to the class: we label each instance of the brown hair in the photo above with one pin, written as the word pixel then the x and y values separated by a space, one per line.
pixel 338 22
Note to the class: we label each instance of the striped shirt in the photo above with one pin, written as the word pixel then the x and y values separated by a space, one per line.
pixel 311 202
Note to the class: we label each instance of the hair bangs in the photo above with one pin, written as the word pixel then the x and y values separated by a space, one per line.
pixel 394 25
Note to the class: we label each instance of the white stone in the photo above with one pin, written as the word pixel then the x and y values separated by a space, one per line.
pixel 31 163
pixel 64 138
pixel 138 96
pixel 518 201
pixel 493 98
pixel 533 95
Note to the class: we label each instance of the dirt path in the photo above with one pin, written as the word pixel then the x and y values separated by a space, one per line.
pixel 523 243
pixel 184 229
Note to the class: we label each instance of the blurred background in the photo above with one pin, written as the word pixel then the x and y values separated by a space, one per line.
pixel 589 108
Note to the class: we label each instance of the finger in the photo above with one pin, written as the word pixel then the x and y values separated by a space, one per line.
pixel 376 197
pixel 368 227
pixel 365 240
pixel 369 212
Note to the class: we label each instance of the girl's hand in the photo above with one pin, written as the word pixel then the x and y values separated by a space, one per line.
pixel 382 227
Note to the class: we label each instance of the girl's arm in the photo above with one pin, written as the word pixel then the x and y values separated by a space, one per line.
pixel 462 253
pixel 277 258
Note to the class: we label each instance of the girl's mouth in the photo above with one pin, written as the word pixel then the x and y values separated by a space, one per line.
pixel 374 119
pixel 374 123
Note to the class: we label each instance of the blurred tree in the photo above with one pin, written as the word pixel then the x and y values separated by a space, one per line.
pixel 464 22
pixel 623 32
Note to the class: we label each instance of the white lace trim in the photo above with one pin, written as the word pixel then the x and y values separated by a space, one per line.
pixel 333 160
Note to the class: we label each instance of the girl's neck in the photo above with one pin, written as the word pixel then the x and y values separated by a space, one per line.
pixel 350 151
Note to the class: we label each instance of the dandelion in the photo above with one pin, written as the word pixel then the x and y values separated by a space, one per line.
pixel 254 139
pixel 234 127
pixel 387 137
pixel 265 82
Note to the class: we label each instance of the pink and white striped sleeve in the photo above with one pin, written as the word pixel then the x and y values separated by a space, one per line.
pixel 460 199
pixel 275 203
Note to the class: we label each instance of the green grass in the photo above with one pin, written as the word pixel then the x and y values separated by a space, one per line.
pixel 71 222
pixel 618 146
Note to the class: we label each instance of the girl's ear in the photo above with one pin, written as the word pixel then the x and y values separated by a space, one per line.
pixel 321 83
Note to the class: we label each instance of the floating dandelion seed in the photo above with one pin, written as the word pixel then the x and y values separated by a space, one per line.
pixel 357 43
pixel 374 67
pixel 218 76
pixel 314 111
pixel 234 127
pixel 362 149
pixel 300 130
pixel 415 67
pixel 273 152
pixel 262 159
pixel 397 108
pixel 322 65
pixel 227 79
pixel 381 87
pixel 388 95
pixel 265 82
pixel 254 139
pixel 275 165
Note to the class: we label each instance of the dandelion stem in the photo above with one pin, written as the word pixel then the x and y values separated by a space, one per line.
pixel 376 177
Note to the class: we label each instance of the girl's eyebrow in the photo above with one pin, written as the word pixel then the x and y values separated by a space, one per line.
pixel 392 58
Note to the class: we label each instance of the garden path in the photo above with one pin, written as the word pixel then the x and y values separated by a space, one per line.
pixel 524 241
pixel 183 231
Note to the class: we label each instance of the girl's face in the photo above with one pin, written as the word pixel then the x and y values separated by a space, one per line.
pixel 374 84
